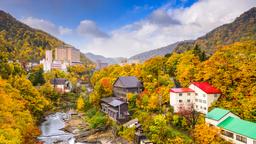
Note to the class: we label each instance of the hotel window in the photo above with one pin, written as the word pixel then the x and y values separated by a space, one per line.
pixel 203 95
pixel 196 106
pixel 188 94
pixel 196 100
pixel 180 94
pixel 196 94
pixel 204 108
pixel 204 101
pixel 228 134
pixel 188 100
pixel 180 101
pixel 200 100
pixel 241 138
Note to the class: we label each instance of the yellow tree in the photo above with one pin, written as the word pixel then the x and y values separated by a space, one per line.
pixel 204 134
pixel 80 103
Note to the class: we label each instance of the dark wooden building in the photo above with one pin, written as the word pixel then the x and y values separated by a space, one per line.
pixel 126 84
pixel 115 108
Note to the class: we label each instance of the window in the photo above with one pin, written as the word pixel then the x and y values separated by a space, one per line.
pixel 201 107
pixel 188 94
pixel 204 101
pixel 196 106
pixel 196 100
pixel 180 101
pixel 200 100
pixel 215 95
pixel 188 100
pixel 196 94
pixel 241 138
pixel 228 134
pixel 180 94
pixel 203 95
pixel 204 108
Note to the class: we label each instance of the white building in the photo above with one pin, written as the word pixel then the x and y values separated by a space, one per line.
pixel 233 129
pixel 200 95
pixel 181 98
pixel 47 61
pixel 61 85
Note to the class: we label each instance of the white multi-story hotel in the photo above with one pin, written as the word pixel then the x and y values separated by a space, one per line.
pixel 199 95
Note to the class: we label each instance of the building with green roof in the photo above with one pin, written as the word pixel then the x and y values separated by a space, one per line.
pixel 233 128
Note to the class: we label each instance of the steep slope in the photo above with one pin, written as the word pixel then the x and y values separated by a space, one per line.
pixel 21 42
pixel 243 28
pixel 156 52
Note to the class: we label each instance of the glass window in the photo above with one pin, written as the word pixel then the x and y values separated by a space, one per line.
pixel 180 101
pixel 204 101
pixel 196 106
pixel 215 95
pixel 204 108
pixel 228 134
pixel 203 95
pixel 180 94
pixel 241 138
pixel 200 100
pixel 188 100
pixel 196 100
pixel 196 94
pixel 188 94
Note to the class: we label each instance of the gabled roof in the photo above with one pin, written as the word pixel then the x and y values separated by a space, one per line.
pixel 129 81
pixel 112 101
pixel 239 126
pixel 181 90
pixel 59 81
pixel 217 114
pixel 207 88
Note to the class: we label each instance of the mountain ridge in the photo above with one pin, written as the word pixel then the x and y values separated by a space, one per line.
pixel 21 42
pixel 241 29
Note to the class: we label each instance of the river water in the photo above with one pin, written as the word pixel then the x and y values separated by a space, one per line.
pixel 51 129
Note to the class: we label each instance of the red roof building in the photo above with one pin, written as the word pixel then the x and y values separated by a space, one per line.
pixel 207 88
pixel 181 90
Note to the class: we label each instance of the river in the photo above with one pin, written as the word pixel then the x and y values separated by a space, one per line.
pixel 51 129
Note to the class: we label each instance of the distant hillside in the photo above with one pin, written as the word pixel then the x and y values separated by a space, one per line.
pixel 94 58
pixel 21 42
pixel 156 52
pixel 243 28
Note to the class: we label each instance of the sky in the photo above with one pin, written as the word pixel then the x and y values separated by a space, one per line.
pixel 123 28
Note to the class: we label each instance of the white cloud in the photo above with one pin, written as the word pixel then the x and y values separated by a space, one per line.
pixel 89 28
pixel 167 25
pixel 46 25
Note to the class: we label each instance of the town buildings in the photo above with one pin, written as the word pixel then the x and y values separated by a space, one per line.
pixel 199 95
pixel 115 108
pixel 67 53
pixel 65 56
pixel 61 85
pixel 126 84
pixel 233 129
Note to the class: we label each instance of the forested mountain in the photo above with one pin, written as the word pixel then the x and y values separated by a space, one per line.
pixel 21 42
pixel 156 52
pixel 243 28
pixel 94 58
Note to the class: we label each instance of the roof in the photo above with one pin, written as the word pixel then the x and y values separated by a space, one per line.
pixel 239 126
pixel 217 114
pixel 59 81
pixel 207 88
pixel 112 101
pixel 129 81
pixel 181 90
